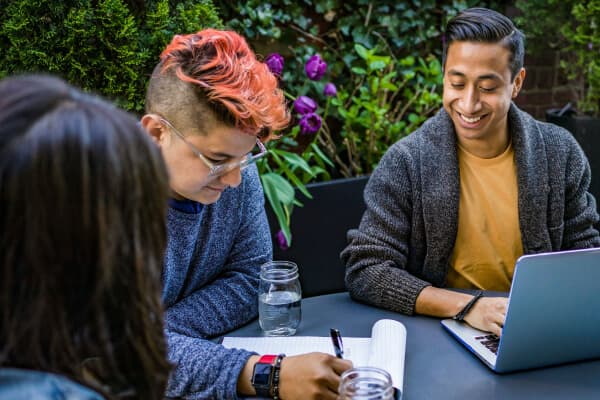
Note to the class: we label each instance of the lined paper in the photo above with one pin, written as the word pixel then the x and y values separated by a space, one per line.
pixel 384 349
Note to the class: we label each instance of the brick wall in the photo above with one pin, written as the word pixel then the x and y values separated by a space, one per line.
pixel 545 85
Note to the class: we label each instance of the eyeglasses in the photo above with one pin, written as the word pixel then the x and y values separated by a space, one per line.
pixel 223 168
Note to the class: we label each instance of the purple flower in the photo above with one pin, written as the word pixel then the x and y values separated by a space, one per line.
pixel 309 124
pixel 590 46
pixel 281 241
pixel 305 105
pixel 275 63
pixel 330 90
pixel 315 68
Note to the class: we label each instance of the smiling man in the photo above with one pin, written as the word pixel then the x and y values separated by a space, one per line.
pixel 478 185
pixel 210 106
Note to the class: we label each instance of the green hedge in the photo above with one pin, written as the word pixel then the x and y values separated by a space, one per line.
pixel 106 46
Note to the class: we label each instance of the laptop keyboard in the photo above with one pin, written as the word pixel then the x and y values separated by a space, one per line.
pixel 490 342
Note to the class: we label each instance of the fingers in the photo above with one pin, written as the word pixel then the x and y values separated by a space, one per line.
pixel 488 314
pixel 336 367
pixel 340 365
pixel 494 316
pixel 495 329
pixel 311 376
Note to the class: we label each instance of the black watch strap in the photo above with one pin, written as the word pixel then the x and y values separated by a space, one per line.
pixel 276 373
pixel 262 375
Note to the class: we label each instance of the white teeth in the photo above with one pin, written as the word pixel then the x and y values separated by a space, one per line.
pixel 471 120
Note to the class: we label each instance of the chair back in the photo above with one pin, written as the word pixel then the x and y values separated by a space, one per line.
pixel 319 233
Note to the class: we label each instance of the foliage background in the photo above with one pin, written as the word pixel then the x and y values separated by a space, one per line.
pixel 571 27
pixel 384 59
pixel 382 56
pixel 407 34
pixel 105 46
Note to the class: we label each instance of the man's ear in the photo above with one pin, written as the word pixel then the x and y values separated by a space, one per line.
pixel 518 82
pixel 152 125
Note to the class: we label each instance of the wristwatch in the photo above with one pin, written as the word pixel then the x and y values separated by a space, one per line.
pixel 262 375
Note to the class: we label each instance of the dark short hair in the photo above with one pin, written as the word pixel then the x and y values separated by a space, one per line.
pixel 83 199
pixel 487 26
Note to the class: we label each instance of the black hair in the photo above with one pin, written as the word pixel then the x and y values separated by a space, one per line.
pixel 83 199
pixel 487 26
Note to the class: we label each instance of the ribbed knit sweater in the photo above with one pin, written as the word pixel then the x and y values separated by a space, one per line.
pixel 210 281
pixel 407 233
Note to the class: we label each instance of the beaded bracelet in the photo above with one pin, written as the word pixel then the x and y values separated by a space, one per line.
pixel 276 371
pixel 463 313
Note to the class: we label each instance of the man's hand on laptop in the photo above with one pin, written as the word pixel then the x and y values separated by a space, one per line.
pixel 488 314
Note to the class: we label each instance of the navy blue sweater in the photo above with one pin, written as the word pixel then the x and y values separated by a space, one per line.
pixel 211 275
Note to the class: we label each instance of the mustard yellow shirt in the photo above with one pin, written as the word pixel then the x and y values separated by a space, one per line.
pixel 488 241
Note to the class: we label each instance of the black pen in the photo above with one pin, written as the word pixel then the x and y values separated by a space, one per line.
pixel 338 345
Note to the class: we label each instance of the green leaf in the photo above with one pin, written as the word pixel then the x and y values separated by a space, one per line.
pixel 294 160
pixel 361 51
pixel 321 155
pixel 389 86
pixel 299 185
pixel 377 65
pixel 289 173
pixel 279 188
pixel 280 195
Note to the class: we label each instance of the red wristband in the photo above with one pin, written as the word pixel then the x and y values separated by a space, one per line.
pixel 267 359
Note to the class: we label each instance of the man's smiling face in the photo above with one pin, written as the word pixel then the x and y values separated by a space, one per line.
pixel 478 90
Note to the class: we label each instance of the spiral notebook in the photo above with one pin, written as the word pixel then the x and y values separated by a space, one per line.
pixel 385 348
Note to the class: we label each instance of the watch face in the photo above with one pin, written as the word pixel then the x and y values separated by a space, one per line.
pixel 262 373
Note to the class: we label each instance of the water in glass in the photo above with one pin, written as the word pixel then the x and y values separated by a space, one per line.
pixel 279 298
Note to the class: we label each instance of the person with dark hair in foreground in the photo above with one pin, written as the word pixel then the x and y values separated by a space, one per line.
pixel 210 106
pixel 481 183
pixel 83 198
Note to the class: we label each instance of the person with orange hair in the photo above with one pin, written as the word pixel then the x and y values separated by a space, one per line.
pixel 210 107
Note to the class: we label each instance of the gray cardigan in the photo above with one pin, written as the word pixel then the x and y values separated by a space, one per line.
pixel 407 233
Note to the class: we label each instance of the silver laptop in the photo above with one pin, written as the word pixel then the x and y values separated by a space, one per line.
pixel 553 314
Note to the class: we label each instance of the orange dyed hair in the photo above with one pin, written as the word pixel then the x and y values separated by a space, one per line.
pixel 222 64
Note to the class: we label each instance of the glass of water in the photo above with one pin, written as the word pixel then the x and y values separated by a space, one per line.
pixel 366 383
pixel 279 296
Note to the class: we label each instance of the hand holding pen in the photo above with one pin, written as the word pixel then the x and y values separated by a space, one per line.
pixel 338 345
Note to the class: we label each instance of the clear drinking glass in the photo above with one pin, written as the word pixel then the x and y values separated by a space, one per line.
pixel 366 383
pixel 279 296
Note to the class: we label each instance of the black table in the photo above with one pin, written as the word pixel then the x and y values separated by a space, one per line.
pixel 436 365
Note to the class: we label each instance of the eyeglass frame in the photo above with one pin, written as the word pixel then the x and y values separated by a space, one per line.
pixel 219 169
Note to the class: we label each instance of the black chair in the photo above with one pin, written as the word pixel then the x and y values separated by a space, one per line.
pixel 586 131
pixel 319 233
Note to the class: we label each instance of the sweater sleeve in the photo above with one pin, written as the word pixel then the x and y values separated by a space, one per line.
pixel 231 299
pixel 580 205
pixel 203 369
pixel 376 257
